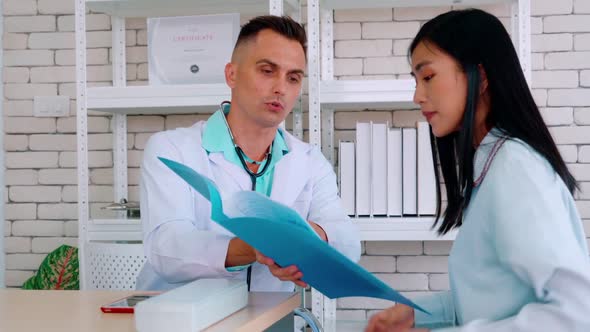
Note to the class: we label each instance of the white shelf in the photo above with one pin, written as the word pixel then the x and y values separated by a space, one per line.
pixel 355 4
pixel 171 99
pixel 399 229
pixel 155 8
pixel 114 230
pixel 367 94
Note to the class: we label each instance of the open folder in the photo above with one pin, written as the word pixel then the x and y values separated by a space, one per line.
pixel 280 233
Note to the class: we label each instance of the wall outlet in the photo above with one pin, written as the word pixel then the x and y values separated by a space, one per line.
pixel 51 106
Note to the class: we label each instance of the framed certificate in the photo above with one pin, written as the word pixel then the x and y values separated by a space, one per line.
pixel 190 49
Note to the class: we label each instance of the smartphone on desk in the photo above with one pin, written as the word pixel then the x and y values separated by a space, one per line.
pixel 126 304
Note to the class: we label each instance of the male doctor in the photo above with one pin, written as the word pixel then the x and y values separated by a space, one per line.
pixel 240 147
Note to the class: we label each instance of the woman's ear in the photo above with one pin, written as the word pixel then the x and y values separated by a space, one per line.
pixel 483 84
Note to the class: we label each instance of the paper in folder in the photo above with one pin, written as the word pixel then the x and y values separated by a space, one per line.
pixel 280 233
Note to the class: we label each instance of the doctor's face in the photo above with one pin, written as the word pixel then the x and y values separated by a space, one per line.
pixel 441 88
pixel 265 77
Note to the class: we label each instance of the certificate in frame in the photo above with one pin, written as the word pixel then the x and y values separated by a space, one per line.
pixel 190 49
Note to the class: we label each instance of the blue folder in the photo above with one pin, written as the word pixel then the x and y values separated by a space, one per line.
pixel 280 233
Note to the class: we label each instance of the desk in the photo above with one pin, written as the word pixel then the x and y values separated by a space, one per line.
pixel 79 311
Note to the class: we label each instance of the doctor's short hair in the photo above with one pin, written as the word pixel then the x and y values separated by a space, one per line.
pixel 283 25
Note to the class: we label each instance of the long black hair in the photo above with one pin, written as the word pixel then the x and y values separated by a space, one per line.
pixel 475 38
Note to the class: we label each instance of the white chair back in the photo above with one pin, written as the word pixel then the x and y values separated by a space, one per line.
pixel 113 266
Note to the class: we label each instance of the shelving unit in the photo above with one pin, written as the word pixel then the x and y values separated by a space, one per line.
pixel 176 99
pixel 121 100
pixel 399 229
pixel 153 8
pixel 3 172
pixel 327 95
pixel 369 94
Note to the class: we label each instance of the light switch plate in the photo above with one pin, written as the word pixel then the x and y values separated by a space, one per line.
pixel 51 106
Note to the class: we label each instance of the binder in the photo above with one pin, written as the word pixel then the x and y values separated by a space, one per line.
pixel 394 172
pixel 379 169
pixel 409 171
pixel 426 176
pixel 363 169
pixel 346 170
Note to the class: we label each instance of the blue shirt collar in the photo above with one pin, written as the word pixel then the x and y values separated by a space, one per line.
pixel 216 138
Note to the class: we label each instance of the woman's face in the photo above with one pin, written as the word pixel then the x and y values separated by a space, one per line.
pixel 441 88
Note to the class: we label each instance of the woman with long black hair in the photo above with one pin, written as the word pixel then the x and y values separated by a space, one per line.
pixel 520 259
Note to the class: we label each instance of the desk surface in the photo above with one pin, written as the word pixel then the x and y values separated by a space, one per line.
pixel 65 311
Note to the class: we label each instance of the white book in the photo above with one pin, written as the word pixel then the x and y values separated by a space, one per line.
pixel 191 307
pixel 190 49
pixel 379 169
pixel 346 170
pixel 394 172
pixel 426 176
pixel 409 171
pixel 363 169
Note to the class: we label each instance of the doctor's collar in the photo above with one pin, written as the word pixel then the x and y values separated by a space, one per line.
pixel 281 145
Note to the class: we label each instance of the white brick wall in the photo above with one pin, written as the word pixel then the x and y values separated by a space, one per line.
pixel 389 30
pixel 39 60
pixel 558 116
pixel 38 228
pixel 547 7
pixel 93 22
pixel 582 116
pixel 552 42
pixel 28 58
pixel 566 23
pixel 569 153
pixel 581 7
pixel 55 6
pixel 15 41
pixel 20 7
pixel 363 48
pixel 346 30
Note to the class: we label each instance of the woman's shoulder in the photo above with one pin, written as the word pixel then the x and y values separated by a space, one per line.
pixel 516 162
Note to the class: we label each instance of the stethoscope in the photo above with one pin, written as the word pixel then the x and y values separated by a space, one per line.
pixel 253 176
pixel 242 156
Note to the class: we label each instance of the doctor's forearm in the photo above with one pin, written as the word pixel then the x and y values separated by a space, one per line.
pixel 239 253
pixel 319 230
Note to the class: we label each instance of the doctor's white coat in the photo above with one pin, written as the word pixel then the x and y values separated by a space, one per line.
pixel 182 243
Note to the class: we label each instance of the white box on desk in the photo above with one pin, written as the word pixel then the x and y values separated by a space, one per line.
pixel 192 307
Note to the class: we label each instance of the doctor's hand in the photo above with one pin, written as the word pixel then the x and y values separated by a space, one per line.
pixel 318 229
pixel 399 318
pixel 239 253
pixel 289 273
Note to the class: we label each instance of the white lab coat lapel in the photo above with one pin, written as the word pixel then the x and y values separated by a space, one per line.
pixel 217 161
pixel 292 172
pixel 235 172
